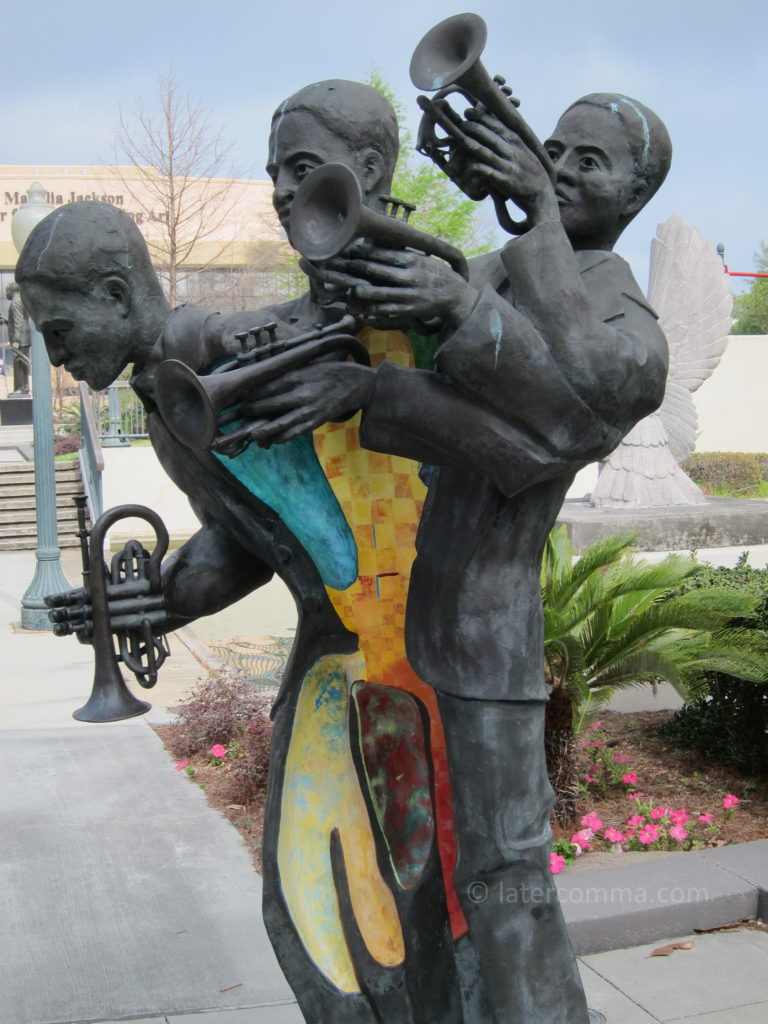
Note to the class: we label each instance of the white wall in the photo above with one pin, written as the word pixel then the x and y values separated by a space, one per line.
pixel 133 475
pixel 732 405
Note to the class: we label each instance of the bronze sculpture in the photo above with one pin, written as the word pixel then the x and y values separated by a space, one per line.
pixel 539 364
pixel 20 340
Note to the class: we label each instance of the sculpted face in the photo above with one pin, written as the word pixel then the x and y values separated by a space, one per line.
pixel 298 143
pixel 91 335
pixel 597 189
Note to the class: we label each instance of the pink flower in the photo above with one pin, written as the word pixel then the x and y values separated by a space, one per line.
pixel 730 801
pixel 217 750
pixel 592 821
pixel 613 835
pixel 679 817
pixel 678 832
pixel 659 812
pixel 622 759
pixel 706 818
pixel 598 743
pixel 590 778
pixel 556 863
pixel 636 820
pixel 630 778
pixel 595 725
pixel 581 840
pixel 635 796
pixel 648 834
pixel 181 765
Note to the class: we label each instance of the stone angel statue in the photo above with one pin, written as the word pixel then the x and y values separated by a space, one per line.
pixel 691 295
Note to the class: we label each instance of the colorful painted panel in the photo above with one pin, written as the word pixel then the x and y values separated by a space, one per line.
pixel 395 760
pixel 382 498
pixel 289 479
pixel 321 792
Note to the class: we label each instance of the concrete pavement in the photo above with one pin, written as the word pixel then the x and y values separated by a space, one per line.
pixel 125 897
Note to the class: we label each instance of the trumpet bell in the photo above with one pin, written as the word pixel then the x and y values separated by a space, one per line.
pixel 325 212
pixel 110 700
pixel 448 51
pixel 328 212
pixel 184 403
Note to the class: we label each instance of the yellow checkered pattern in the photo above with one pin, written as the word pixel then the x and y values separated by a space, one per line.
pixel 382 498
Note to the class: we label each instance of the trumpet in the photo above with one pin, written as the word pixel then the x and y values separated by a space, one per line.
pixel 447 61
pixel 124 599
pixel 328 213
pixel 197 409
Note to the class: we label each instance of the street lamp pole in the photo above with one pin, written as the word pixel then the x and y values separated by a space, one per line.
pixel 48 578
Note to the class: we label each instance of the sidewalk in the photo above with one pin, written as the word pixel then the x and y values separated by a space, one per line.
pixel 125 897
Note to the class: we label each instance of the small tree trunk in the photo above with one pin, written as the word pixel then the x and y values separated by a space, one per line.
pixel 560 747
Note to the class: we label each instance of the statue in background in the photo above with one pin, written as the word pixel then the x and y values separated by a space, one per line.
pixel 20 341
pixel 692 296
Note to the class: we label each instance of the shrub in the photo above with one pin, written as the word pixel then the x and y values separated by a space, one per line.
pixel 728 725
pixel 227 710
pixel 728 722
pixel 67 444
pixel 727 472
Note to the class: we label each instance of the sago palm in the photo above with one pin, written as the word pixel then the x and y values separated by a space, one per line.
pixel 612 621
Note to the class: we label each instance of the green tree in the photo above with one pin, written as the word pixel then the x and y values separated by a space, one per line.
pixel 441 209
pixel 751 308
pixel 612 621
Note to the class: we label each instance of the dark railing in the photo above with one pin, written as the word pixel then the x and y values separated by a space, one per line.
pixel 119 414
pixel 91 455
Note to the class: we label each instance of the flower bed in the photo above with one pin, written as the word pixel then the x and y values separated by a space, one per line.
pixel 640 793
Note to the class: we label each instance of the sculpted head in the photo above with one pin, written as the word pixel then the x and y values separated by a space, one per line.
pixel 333 121
pixel 89 285
pixel 11 289
pixel 611 154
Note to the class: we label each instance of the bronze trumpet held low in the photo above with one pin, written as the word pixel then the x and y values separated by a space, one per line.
pixel 124 599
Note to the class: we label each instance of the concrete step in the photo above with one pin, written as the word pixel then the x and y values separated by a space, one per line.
pixel 24 492
pixel 64 516
pixel 29 544
pixel 18 520
pixel 19 472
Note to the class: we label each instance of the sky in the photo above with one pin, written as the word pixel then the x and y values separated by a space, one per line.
pixel 702 65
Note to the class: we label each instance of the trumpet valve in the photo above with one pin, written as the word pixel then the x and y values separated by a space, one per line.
pixel 398 209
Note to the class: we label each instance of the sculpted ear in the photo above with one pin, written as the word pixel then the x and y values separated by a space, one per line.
pixel 372 169
pixel 638 196
pixel 119 291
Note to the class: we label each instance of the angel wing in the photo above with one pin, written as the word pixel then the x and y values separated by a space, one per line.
pixel 691 295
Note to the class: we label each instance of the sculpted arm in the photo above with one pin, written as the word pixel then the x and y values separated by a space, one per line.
pixel 207 573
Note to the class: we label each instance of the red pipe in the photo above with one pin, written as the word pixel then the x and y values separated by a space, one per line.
pixel 740 273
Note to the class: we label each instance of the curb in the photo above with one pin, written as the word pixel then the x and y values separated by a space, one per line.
pixel 616 908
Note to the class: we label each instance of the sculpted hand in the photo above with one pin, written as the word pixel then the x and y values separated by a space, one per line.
pixel 508 168
pixel 71 613
pixel 398 286
pixel 303 399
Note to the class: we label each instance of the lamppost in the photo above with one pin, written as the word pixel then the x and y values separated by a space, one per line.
pixel 48 578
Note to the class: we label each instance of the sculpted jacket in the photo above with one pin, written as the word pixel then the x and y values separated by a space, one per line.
pixel 559 358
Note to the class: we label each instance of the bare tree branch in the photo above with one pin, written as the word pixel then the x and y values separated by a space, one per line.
pixel 181 177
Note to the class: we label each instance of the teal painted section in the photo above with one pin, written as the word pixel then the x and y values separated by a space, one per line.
pixel 289 478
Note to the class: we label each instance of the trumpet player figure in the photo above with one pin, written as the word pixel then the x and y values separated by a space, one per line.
pixel 354 875
pixel 546 359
